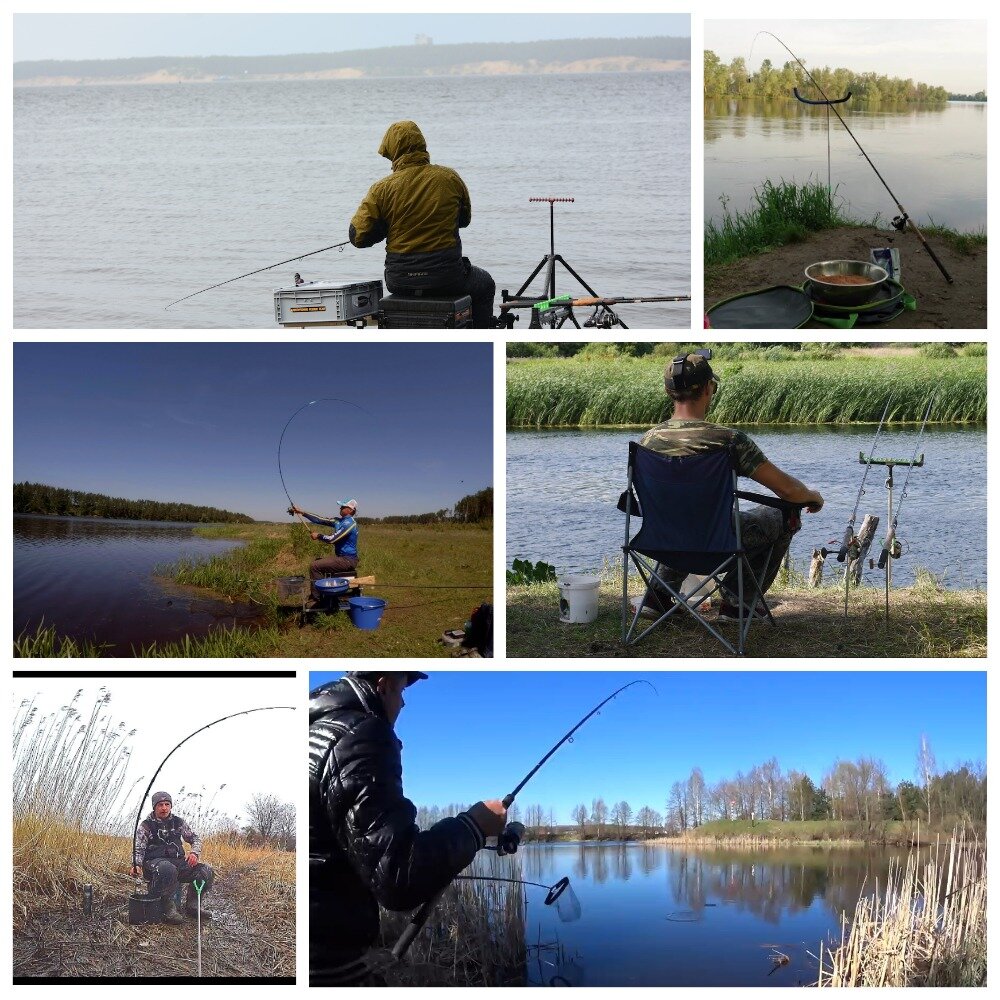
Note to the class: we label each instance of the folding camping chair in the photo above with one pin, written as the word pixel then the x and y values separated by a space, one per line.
pixel 690 510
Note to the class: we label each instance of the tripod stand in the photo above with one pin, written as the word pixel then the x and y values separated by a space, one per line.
pixel 558 315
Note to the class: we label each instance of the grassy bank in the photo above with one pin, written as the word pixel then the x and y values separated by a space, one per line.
pixel 780 388
pixel 926 927
pixel 775 833
pixel 925 621
pixel 784 213
pixel 431 575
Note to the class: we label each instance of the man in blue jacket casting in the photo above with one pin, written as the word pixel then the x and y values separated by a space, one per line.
pixel 344 540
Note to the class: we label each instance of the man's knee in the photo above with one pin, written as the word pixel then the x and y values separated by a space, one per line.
pixel 162 874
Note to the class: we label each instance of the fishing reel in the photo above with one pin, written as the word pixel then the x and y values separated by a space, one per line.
pixel 509 841
pixel 899 222
pixel 603 318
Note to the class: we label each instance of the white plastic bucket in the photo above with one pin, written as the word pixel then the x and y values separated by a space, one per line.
pixel 578 599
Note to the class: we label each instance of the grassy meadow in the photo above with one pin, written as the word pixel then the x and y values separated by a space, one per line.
pixel 432 576
pixel 773 386
pixel 69 784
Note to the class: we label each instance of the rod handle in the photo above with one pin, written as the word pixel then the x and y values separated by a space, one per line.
pixel 845 542
pixel 940 266
pixel 883 556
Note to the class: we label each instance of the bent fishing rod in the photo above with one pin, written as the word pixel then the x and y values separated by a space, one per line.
pixel 903 218
pixel 420 918
pixel 849 533
pixel 312 253
pixel 305 406
pixel 142 801
pixel 890 538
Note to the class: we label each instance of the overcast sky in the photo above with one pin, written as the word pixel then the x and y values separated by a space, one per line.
pixel 113 36
pixel 258 753
pixel 949 54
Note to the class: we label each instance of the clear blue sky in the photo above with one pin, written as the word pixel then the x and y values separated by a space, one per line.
pixel 471 735
pixel 112 36
pixel 200 423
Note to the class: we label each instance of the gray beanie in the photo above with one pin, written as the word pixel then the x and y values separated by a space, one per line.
pixel 159 797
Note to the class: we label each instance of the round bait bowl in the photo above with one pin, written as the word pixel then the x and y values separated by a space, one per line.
pixel 844 282
pixel 366 612
pixel 330 585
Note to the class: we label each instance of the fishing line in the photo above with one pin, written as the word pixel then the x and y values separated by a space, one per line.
pixel 311 253
pixel 903 219
pixel 849 533
pixel 142 801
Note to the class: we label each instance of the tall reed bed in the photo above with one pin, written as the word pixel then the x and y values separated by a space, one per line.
pixel 629 391
pixel 925 927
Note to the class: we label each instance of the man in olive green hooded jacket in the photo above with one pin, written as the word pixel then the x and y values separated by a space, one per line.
pixel 418 210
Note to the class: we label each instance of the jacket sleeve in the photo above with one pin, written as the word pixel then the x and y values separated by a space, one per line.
pixel 141 840
pixel 192 838
pixel 363 795
pixel 465 205
pixel 368 227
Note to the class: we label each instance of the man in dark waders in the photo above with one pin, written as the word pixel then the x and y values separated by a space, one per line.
pixel 691 384
pixel 364 845
pixel 418 210
pixel 161 859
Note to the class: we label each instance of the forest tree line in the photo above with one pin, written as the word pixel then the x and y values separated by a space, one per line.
pixel 37 498
pixel 472 509
pixel 858 792
pixel 771 82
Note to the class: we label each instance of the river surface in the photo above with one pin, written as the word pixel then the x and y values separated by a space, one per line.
pixel 93 580
pixel 659 915
pixel 128 197
pixel 563 485
pixel 933 157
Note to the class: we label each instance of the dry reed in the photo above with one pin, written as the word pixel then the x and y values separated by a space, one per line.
pixel 925 927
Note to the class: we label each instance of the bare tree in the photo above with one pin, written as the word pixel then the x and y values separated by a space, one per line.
pixel 926 769
pixel 271 821
pixel 621 813
pixel 580 818
pixel 599 814
pixel 696 796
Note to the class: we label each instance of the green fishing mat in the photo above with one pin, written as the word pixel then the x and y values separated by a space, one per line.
pixel 781 307
pixel 887 302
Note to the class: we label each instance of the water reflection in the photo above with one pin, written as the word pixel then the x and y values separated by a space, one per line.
pixel 656 914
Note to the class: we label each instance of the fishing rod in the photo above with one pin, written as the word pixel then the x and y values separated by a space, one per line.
pixel 305 406
pixel 900 222
pixel 420 918
pixel 890 538
pixel 593 300
pixel 312 253
pixel 849 533
pixel 142 801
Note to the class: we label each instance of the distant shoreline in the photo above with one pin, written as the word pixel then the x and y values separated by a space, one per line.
pixel 613 64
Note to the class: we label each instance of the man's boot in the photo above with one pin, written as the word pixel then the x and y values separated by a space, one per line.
pixel 170 914
pixel 191 904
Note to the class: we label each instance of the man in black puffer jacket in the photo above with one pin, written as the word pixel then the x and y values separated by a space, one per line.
pixel 364 844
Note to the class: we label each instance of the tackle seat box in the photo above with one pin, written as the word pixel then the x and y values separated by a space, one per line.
pixel 407 312
pixel 322 303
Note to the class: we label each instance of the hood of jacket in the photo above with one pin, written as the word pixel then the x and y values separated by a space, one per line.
pixel 404 144
pixel 349 694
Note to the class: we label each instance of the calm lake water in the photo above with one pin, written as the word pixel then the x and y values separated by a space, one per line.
pixel 93 579
pixel 933 158
pixel 656 915
pixel 128 197
pixel 563 485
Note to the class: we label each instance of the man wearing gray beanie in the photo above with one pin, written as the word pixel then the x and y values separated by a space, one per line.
pixel 161 859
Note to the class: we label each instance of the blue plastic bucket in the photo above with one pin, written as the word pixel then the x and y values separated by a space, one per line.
pixel 366 612
pixel 330 585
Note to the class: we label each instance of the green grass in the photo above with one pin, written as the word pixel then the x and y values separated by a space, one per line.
pixel 925 621
pixel 46 642
pixel 815 831
pixel 783 388
pixel 779 214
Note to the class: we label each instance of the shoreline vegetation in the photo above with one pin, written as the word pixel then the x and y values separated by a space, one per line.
pixel 818 383
pixel 408 561
pixel 425 59
pixel 783 213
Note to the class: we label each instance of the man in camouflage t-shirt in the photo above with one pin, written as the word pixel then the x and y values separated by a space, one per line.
pixel 691 384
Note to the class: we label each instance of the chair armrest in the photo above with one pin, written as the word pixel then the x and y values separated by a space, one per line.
pixel 769 501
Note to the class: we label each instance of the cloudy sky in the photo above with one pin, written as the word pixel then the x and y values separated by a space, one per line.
pixel 112 36
pixel 948 54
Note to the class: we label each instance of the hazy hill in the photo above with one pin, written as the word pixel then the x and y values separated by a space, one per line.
pixel 576 55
